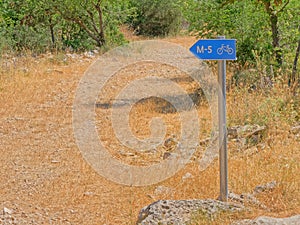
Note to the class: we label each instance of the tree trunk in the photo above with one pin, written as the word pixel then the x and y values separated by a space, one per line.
pixel 294 72
pixel 52 33
pixel 273 15
pixel 98 37
pixel 275 38
pixel 101 23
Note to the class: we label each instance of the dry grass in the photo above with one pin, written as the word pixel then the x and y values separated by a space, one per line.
pixel 44 175
pixel 275 159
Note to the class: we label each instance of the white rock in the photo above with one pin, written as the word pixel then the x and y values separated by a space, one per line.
pixel 295 130
pixel 179 212
pixel 265 220
pixel 89 193
pixel 187 176
pixel 7 211
pixel 162 190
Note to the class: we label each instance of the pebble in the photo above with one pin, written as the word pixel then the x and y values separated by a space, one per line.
pixel 89 193
pixel 7 211
pixel 159 190
pixel 187 176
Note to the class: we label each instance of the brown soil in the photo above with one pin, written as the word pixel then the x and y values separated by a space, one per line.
pixel 44 178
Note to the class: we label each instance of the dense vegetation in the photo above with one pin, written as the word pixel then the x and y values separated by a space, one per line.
pixel 267 31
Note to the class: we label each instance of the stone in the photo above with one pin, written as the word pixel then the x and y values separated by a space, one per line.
pixel 88 193
pixel 265 220
pixel 187 176
pixel 248 134
pixel 167 155
pixel 7 211
pixel 295 129
pixel 162 190
pixel 179 212
pixel 170 142
pixel 266 187
pixel 245 198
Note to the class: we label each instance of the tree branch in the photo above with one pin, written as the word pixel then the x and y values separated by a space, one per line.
pixel 101 24
pixel 97 35
pixel 294 71
pixel 283 7
pixel 93 21
pixel 83 26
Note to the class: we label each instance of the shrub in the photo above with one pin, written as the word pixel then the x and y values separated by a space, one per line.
pixel 156 18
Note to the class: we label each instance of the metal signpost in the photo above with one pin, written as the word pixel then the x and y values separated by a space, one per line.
pixel 220 49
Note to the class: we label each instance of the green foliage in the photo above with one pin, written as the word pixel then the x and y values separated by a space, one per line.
pixel 41 25
pixel 156 17
pixel 290 33
pixel 116 14
pixel 265 30
pixel 73 38
pixel 240 20
pixel 98 18
pixel 21 27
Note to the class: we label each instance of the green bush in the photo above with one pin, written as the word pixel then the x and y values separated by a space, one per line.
pixel 156 17
pixel 20 38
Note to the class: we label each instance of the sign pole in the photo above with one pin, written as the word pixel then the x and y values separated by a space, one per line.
pixel 220 49
pixel 222 129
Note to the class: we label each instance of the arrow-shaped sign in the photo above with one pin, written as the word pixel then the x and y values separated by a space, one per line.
pixel 215 49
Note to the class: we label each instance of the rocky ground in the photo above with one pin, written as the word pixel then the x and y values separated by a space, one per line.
pixel 179 212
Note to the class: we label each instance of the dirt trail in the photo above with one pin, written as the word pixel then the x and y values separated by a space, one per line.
pixel 44 178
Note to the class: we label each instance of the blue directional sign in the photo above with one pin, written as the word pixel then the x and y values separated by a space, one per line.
pixel 215 49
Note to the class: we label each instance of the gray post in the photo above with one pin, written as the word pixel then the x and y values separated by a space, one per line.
pixel 222 129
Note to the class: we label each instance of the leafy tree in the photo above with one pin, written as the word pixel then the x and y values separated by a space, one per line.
pixel 87 14
pixel 274 8
pixel 293 78
pixel 97 18
pixel 290 38
pixel 41 24
pixel 241 20
pixel 262 26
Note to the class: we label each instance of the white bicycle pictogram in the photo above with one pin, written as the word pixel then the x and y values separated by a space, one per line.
pixel 225 48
